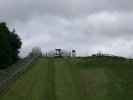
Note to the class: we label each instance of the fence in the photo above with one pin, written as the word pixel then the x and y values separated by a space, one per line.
pixel 10 80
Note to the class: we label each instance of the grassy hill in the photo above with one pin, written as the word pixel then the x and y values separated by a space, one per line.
pixel 74 79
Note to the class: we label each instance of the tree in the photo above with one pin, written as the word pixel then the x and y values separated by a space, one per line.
pixel 15 43
pixel 10 43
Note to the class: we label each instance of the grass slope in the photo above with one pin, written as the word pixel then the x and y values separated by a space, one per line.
pixel 74 79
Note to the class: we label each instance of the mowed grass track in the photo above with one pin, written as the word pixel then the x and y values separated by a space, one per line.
pixel 74 79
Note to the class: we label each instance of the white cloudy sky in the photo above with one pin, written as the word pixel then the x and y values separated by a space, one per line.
pixel 88 26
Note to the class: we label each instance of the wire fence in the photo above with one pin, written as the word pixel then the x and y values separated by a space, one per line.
pixel 27 62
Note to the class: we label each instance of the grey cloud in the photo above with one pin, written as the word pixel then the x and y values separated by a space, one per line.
pixel 100 33
pixel 86 25
pixel 25 9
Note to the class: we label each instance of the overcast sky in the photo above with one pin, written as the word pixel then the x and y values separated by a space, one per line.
pixel 88 26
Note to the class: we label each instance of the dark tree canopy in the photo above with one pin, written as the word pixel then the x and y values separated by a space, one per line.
pixel 10 43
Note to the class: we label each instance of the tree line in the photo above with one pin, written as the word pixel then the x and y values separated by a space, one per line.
pixel 10 43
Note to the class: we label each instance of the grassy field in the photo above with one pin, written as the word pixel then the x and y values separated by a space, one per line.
pixel 74 79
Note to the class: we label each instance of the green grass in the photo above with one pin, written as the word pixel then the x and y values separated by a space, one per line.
pixel 74 79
